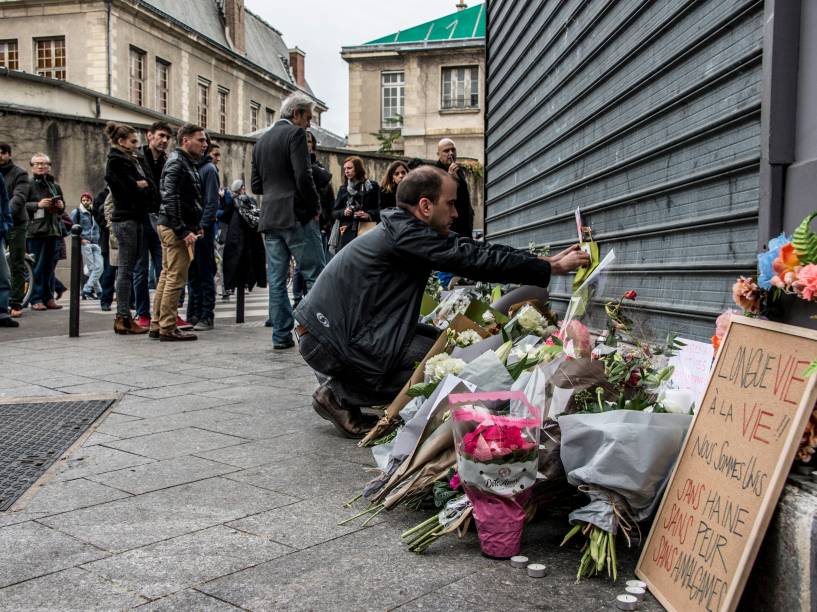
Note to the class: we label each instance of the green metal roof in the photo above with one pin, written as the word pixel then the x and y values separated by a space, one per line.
pixel 467 23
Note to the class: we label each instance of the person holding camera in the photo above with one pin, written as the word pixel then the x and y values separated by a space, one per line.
pixel 44 206
pixel 357 206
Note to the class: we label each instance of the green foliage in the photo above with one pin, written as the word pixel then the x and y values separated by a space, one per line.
pixel 422 389
pixel 388 136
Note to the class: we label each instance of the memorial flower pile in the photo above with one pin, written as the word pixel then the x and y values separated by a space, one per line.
pixel 468 438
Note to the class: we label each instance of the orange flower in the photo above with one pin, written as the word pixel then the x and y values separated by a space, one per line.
pixel 716 342
pixel 785 264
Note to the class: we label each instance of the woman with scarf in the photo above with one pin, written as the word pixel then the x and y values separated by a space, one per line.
pixel 244 263
pixel 131 194
pixel 357 207
pixel 388 187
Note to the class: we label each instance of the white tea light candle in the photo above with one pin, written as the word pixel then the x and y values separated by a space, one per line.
pixel 536 570
pixel 519 561
pixel 637 583
pixel 627 602
pixel 636 592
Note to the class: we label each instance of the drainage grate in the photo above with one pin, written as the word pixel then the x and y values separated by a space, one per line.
pixel 33 435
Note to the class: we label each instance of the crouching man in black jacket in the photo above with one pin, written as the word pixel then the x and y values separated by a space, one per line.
pixel 358 325
pixel 179 224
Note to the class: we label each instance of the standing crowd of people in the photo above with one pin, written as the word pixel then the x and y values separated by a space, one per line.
pixel 163 221
pixel 158 223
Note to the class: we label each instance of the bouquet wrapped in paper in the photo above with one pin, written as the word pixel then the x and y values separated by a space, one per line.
pixel 496 437
pixel 621 459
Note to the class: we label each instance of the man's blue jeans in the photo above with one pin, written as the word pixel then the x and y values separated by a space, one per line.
pixel 5 281
pixel 44 251
pixel 303 242
pixel 201 285
pixel 150 249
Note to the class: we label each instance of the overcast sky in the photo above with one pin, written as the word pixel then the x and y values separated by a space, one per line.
pixel 322 27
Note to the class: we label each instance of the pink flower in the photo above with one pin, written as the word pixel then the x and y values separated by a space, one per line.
pixel 489 441
pixel 580 335
pixel 549 341
pixel 722 322
pixel 806 284
pixel 745 294
pixel 454 483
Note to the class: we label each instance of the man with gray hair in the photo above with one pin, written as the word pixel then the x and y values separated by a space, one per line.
pixel 282 173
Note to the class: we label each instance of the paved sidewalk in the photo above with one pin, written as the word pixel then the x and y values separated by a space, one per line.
pixel 214 486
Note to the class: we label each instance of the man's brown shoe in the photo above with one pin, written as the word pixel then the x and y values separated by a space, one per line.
pixel 39 306
pixel 345 421
pixel 52 305
pixel 177 335
pixel 16 313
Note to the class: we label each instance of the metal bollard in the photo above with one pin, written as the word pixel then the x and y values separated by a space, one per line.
pixel 239 305
pixel 76 280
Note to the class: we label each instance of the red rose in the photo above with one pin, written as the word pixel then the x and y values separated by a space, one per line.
pixel 630 295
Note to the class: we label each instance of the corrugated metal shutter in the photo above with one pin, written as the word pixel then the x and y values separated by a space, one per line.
pixel 646 114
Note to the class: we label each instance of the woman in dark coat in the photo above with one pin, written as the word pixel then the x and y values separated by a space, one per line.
pixel 358 201
pixel 132 197
pixel 244 261
pixel 388 186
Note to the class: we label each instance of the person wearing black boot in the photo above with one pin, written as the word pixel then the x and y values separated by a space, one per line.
pixel 131 194
pixel 364 343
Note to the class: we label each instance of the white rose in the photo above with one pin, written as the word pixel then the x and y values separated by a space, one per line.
pixel 677 401
pixel 530 319
pixel 468 337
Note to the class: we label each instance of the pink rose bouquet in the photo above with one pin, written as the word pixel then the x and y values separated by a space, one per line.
pixel 496 437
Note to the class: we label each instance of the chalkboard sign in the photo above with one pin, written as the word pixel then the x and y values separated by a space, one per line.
pixel 732 468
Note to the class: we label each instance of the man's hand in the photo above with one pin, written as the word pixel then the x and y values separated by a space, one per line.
pixel 348 212
pixel 141 183
pixel 44 203
pixel 362 214
pixel 190 238
pixel 58 204
pixel 561 255
pixel 453 169
pixel 573 260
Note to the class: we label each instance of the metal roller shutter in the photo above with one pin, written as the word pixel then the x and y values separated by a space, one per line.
pixel 646 114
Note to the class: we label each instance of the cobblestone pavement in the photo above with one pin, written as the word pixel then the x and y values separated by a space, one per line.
pixel 212 485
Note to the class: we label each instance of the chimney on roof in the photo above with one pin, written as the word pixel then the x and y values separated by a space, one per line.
pixel 234 24
pixel 461 6
pixel 296 65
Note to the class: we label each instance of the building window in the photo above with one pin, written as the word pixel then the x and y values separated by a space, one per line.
pixel 162 86
pixel 50 57
pixel 203 102
pixel 136 72
pixel 9 57
pixel 222 109
pixel 254 109
pixel 270 116
pixel 393 95
pixel 461 87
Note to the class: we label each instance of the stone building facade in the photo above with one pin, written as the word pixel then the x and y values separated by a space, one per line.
pixel 209 62
pixel 427 81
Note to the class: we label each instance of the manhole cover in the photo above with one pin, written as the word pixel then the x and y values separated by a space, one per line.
pixel 33 435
